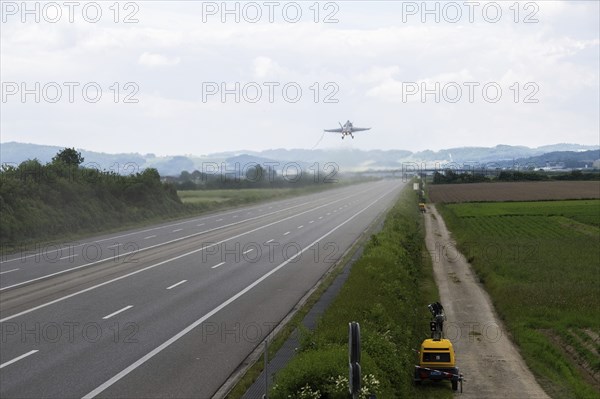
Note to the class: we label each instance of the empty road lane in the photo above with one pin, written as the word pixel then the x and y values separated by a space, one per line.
pixel 177 316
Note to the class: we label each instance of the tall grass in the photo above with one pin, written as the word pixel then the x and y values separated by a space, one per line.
pixel 539 262
pixel 385 294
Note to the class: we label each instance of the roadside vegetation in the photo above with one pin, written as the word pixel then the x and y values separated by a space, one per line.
pixel 254 176
pixel 40 202
pixel 387 292
pixel 63 200
pixel 449 176
pixel 539 263
pixel 206 200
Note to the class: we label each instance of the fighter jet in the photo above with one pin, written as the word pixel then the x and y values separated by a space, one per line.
pixel 347 129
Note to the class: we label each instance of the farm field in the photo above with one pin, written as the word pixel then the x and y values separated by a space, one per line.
pixel 231 196
pixel 514 191
pixel 206 200
pixel 539 261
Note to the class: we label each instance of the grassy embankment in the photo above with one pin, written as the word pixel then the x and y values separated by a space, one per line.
pixel 539 262
pixel 40 203
pixel 208 200
pixel 43 202
pixel 387 292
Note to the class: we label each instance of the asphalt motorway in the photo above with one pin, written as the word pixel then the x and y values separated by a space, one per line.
pixel 171 310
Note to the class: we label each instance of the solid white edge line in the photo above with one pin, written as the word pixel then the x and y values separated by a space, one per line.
pixel 150 247
pixel 138 232
pixel 217 265
pixel 151 266
pixel 117 312
pixel 61 272
pixel 176 284
pixel 12 270
pixel 147 267
pixel 195 324
pixel 21 258
pixel 16 359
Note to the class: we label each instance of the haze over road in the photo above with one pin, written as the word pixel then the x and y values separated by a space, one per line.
pixel 170 310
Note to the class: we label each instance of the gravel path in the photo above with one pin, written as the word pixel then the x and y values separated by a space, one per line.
pixel 491 364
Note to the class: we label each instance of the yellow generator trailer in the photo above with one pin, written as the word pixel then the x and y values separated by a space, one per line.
pixel 436 356
pixel 437 363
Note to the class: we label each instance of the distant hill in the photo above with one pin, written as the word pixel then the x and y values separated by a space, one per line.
pixel 15 153
pixel 566 159
pixel 345 159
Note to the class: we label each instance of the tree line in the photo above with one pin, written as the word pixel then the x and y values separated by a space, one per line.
pixel 255 176
pixel 449 176
pixel 60 197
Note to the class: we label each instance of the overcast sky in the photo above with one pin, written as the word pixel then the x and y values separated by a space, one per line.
pixel 481 74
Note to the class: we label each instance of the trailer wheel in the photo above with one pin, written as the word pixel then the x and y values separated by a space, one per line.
pixel 454 385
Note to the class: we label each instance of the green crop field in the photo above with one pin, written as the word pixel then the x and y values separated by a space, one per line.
pixel 540 263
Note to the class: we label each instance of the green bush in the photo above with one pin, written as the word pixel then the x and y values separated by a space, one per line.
pixel 382 293
pixel 44 202
pixel 324 374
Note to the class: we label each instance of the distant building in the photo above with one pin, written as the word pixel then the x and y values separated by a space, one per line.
pixel 553 166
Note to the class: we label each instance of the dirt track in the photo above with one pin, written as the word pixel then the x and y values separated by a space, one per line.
pixel 491 365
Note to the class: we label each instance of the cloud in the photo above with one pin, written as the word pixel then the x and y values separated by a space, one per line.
pixel 157 60
pixel 367 55
pixel 266 67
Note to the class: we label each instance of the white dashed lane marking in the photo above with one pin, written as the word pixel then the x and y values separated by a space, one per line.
pixel 217 265
pixel 12 270
pixel 16 359
pixel 176 284
pixel 117 312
